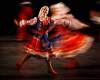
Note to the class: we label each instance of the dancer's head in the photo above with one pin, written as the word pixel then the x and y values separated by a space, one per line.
pixel 25 7
pixel 25 3
pixel 59 8
pixel 43 11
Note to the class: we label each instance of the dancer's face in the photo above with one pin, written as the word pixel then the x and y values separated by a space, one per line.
pixel 44 11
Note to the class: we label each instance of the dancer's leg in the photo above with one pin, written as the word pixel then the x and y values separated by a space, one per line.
pixel 50 67
pixel 23 58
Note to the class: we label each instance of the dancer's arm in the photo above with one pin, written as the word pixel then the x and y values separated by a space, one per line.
pixel 25 22
pixel 74 23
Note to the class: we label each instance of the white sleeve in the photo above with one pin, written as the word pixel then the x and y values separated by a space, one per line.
pixel 76 24
pixel 32 21
pixel 22 23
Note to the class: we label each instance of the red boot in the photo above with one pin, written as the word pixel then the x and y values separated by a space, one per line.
pixel 52 73
pixel 72 63
pixel 18 66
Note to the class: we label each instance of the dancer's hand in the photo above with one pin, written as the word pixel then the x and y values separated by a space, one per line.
pixel 32 21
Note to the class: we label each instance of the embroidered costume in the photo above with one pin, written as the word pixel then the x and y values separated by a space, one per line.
pixel 65 42
pixel 55 36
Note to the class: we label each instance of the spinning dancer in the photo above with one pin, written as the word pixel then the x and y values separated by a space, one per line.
pixel 39 45
pixel 25 13
pixel 62 40
pixel 71 42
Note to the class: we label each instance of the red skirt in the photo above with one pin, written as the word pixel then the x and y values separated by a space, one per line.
pixel 68 44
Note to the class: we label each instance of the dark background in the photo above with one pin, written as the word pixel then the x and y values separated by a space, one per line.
pixel 9 9
pixel 36 69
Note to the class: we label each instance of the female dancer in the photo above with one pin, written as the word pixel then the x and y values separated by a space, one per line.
pixel 71 42
pixel 39 45
pixel 65 43
pixel 25 13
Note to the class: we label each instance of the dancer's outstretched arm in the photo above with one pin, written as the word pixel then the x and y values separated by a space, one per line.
pixel 75 23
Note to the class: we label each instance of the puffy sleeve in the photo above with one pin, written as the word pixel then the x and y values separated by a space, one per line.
pixel 74 23
pixel 69 20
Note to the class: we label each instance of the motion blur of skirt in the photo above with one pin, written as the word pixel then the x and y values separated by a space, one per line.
pixel 65 43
